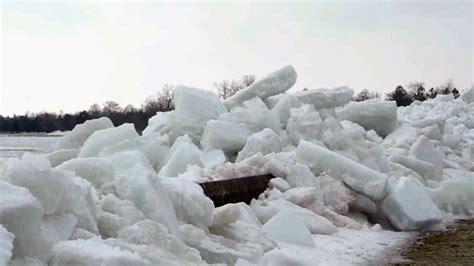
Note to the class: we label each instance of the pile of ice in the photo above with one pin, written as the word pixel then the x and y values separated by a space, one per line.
pixel 110 196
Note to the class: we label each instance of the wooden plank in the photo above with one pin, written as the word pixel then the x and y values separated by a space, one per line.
pixel 242 189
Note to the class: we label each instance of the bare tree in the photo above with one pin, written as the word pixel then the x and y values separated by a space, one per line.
pixel 111 107
pixel 417 90
pixel 226 89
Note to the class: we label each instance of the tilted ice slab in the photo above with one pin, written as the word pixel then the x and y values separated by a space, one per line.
pixel 288 227
pixel 193 108
pixel 107 137
pixel 359 177
pixel 76 137
pixel 136 181
pixel 326 98
pixel 378 115
pixel 272 84
pixel 21 214
pixel 409 207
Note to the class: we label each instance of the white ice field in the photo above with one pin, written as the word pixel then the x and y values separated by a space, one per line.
pixel 351 180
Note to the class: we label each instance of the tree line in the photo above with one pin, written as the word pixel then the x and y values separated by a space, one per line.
pixel 416 92
pixel 163 101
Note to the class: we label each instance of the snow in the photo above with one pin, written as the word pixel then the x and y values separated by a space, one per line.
pixel 272 84
pixel 346 247
pixel 92 252
pixel 105 195
pixel 378 115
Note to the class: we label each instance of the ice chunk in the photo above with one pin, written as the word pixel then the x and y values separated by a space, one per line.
pixel 123 208
pixel 150 233
pixel 92 252
pixel 300 175
pixel 265 141
pixel 336 194
pixel 216 249
pixel 432 132
pixel 409 207
pixel 189 201
pixel 193 108
pixel 225 136
pixel 21 214
pixel 303 196
pixel 272 84
pixel 58 157
pixel 59 226
pixel 456 195
pixel 247 234
pixel 158 124
pixel 58 191
pixel 357 176
pixel 255 115
pixel 424 150
pixel 212 158
pixel 304 124
pixel 75 138
pixel 326 98
pixel 283 106
pixel 468 95
pixel 6 245
pixel 151 145
pixel 378 115
pixel 226 214
pixel 427 170
pixel 288 227
pixel 107 137
pixel 137 181
pixel 182 154
pixel 98 171
pixel 279 183
pixel 402 137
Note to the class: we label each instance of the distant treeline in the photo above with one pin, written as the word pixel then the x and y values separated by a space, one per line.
pixel 164 101
pixel 50 122
pixel 416 92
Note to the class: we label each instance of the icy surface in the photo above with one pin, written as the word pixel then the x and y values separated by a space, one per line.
pixel 378 115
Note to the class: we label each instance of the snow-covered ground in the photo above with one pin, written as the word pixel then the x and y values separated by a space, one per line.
pixel 351 180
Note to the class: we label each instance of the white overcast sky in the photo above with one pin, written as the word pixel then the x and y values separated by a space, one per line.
pixel 68 55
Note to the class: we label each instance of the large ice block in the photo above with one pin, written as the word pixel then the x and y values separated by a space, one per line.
pixel 75 138
pixel 326 98
pixel 272 84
